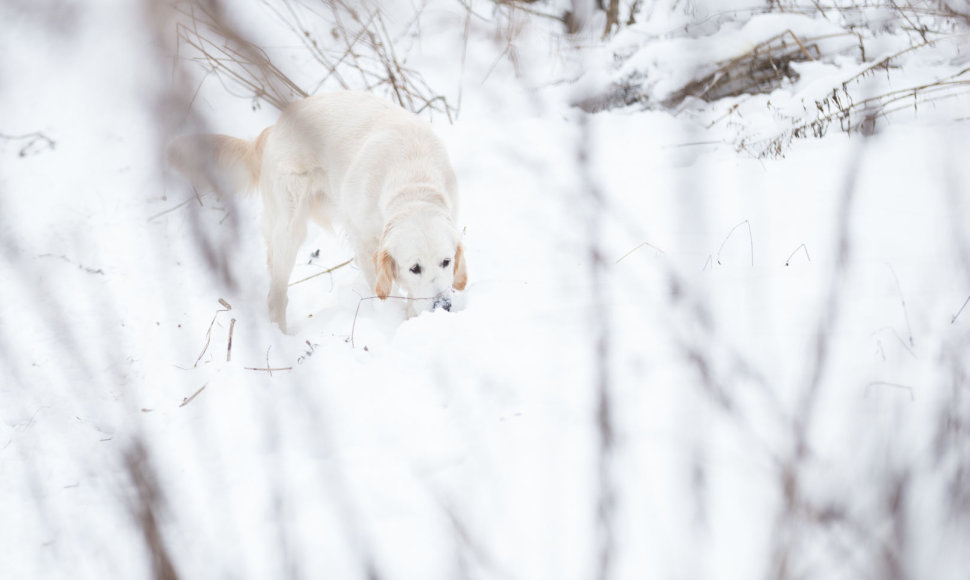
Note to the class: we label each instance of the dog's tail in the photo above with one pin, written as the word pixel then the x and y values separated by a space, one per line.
pixel 219 163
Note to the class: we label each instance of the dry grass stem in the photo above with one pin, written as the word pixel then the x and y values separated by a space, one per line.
pixel 860 116
pixel 726 238
pixel 902 302
pixel 327 271
pixel 208 333
pixel 895 334
pixel 957 315
pixel 792 255
pixel 190 398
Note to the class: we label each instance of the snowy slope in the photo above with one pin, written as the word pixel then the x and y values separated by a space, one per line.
pixel 785 354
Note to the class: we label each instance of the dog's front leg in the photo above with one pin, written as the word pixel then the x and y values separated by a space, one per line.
pixel 364 256
pixel 277 301
pixel 283 239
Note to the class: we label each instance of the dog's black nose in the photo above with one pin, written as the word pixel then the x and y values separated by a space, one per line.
pixel 442 302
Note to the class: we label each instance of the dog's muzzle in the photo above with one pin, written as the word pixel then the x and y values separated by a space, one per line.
pixel 443 302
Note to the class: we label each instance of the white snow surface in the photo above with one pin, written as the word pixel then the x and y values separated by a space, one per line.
pixel 780 340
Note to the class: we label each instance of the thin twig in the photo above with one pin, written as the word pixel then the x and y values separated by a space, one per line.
pixel 269 370
pixel 957 315
pixel 87 269
pixel 624 256
pixel 353 327
pixel 171 209
pixel 902 301
pixel 363 46
pixel 235 59
pixel 912 396
pixel 32 139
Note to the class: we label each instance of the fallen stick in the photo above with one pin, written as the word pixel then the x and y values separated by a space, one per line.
pixel 269 369
pixel 232 326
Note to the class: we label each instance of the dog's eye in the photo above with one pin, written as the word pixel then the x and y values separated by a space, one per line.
pixel 445 263
pixel 416 269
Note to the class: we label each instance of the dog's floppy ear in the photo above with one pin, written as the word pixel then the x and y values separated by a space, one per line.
pixel 385 273
pixel 461 273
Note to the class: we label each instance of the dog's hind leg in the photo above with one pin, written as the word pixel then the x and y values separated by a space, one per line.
pixel 284 228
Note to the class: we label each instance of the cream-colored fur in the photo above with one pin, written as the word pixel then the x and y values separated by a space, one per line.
pixel 354 161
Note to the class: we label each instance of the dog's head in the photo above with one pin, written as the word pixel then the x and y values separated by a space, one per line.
pixel 421 252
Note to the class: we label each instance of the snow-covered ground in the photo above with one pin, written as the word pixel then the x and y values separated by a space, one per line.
pixel 676 357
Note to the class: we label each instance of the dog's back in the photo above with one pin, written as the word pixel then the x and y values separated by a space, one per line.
pixel 363 144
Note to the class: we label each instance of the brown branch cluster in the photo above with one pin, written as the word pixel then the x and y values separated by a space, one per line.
pixel 351 44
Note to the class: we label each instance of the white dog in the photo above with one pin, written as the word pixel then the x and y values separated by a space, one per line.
pixel 357 162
